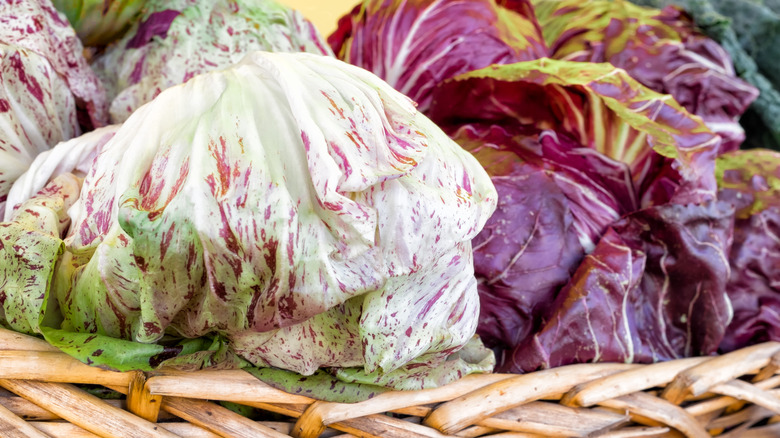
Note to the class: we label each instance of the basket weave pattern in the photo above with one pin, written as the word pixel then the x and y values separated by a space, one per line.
pixel 732 395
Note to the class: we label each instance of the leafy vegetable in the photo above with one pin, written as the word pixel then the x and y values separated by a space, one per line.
pixel 414 45
pixel 670 155
pixel 47 91
pixel 571 147
pixel 652 290
pixel 297 208
pixel 747 30
pixel 524 255
pixel 72 156
pixel 750 180
pixel 176 40
pixel 660 49
pixel 99 22
pixel 30 244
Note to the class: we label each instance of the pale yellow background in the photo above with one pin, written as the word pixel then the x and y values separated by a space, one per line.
pixel 324 14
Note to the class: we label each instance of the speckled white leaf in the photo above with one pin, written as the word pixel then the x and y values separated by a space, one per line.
pixel 72 156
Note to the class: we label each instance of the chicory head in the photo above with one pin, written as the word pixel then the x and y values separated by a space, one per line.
pixel 48 93
pixel 296 206
pixel 571 147
pixel 176 40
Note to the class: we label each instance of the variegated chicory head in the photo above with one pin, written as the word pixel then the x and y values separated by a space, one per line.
pixel 295 206
pixel 176 40
pixel 48 93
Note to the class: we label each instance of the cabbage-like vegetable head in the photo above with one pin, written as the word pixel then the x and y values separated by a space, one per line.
pixel 296 207
pixel 176 40
pixel 414 45
pixel 48 93
pixel 571 147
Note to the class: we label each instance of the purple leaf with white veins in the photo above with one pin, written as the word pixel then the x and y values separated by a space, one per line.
pixel 415 44
pixel 654 289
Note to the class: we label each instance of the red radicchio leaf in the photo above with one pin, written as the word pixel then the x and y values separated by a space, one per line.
pixel 652 290
pixel 414 45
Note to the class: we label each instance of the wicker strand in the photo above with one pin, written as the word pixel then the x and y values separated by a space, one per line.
pixel 620 384
pixel 11 426
pixel 140 401
pixel 698 379
pixel 85 410
pixel 234 385
pixel 509 393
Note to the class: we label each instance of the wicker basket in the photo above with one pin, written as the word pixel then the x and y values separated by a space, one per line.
pixel 730 395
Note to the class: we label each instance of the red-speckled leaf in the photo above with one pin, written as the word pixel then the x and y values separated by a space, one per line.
pixel 72 156
pixel 423 373
pixel 659 48
pixel 48 93
pixel 37 120
pixel 39 28
pixel 415 44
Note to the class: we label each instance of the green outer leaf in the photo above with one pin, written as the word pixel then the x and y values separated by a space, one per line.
pixel 756 173
pixel 25 274
pixel 122 355
pixel 30 247
pixel 103 351
pixel 319 385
